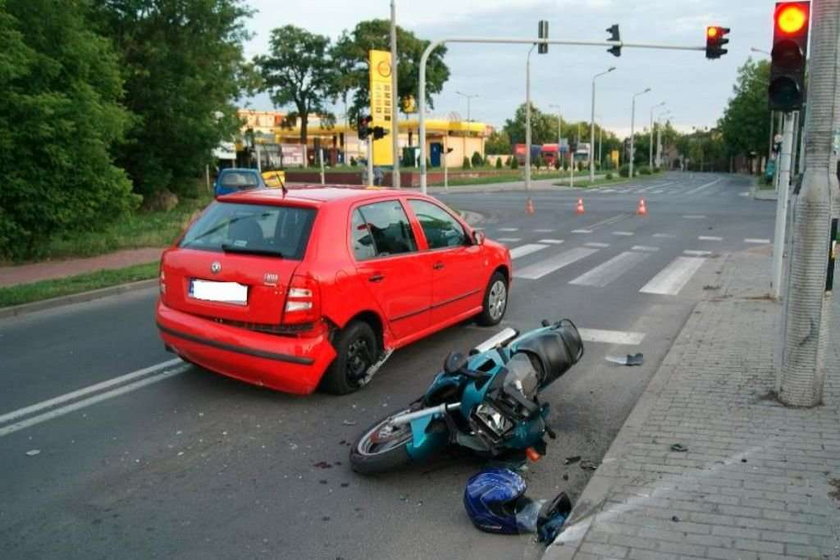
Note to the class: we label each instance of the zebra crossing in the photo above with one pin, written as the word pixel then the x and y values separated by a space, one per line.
pixel 668 188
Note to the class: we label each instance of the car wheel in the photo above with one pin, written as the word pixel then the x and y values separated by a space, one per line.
pixel 356 350
pixel 495 301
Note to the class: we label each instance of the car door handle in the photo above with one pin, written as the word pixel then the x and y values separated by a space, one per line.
pixel 439 266
pixel 377 278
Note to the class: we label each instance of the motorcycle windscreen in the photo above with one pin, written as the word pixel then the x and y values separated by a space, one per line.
pixel 523 375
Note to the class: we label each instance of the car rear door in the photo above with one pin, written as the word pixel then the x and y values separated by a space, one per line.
pixel 458 270
pixel 392 270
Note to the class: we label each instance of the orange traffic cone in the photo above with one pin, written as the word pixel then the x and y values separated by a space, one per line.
pixel 579 208
pixel 642 209
pixel 529 206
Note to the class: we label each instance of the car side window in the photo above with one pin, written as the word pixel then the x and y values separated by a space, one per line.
pixel 386 226
pixel 439 227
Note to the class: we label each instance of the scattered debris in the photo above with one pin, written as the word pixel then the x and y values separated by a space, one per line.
pixel 743 460
pixel 322 465
pixel 835 494
pixel 322 481
pixel 342 442
pixel 629 360
pixel 33 452
pixel 565 477
pixel 571 460
pixel 293 446
pixel 325 518
pixel 709 287
pixel 675 519
pixel 588 465
pixel 679 448
pixel 349 422
pixel 345 484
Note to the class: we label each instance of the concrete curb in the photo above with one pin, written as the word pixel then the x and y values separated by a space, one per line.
pixel 597 490
pixel 26 308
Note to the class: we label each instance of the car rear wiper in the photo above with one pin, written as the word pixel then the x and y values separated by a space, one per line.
pixel 229 248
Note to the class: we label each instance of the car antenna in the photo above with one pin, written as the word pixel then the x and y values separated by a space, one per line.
pixel 282 183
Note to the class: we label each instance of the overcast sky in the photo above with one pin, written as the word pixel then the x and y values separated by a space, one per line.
pixel 695 89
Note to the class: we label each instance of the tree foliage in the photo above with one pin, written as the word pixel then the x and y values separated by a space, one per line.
pixel 58 119
pixel 350 54
pixel 498 143
pixel 183 68
pixel 299 71
pixel 746 121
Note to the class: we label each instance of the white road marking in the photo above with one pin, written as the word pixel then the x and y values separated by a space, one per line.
pixel 608 221
pixel 608 190
pixel 553 264
pixel 523 250
pixel 745 193
pixel 645 248
pixel 624 233
pixel 693 217
pixel 612 337
pixel 508 229
pixel 707 238
pixel 605 273
pixel 545 230
pixel 78 405
pixel 597 245
pixel 673 277
pixel 697 253
pixel 509 239
pixel 581 231
pixel 664 235
pixel 757 241
pixel 551 241
pixel 657 191
pixel 701 187
pixel 43 405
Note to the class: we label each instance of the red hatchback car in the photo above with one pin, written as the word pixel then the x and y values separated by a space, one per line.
pixel 318 286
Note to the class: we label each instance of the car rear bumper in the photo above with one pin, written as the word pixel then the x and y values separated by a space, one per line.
pixel 288 364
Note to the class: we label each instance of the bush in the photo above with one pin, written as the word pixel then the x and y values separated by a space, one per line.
pixel 498 163
pixel 477 160
pixel 507 162
pixel 557 165
pixel 466 163
pixel 644 170
pixel 514 163
pixel 352 162
pixel 609 176
pixel 539 162
pixel 624 170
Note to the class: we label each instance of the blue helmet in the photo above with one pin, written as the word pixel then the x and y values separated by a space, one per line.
pixel 491 500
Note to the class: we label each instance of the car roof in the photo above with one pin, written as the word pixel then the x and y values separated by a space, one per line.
pixel 316 194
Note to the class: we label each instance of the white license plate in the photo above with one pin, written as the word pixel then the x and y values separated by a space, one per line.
pixel 224 292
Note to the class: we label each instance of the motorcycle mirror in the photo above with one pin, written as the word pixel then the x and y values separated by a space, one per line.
pixel 454 363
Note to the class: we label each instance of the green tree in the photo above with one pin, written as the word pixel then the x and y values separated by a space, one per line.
pixel 183 68
pixel 351 55
pixel 497 143
pixel 543 126
pixel 58 119
pixel 746 120
pixel 298 71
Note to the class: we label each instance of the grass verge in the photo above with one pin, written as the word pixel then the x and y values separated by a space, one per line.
pixel 46 289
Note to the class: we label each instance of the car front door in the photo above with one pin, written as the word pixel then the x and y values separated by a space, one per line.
pixel 458 269
pixel 396 275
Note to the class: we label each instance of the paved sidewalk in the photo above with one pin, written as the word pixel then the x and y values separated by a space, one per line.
pixel 758 480
pixel 50 270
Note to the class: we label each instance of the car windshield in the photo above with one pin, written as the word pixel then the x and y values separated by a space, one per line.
pixel 252 228
pixel 239 180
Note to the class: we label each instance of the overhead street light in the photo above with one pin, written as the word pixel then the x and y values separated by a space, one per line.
pixel 592 127
pixel 652 109
pixel 633 128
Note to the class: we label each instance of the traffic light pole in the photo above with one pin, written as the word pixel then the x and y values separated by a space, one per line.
pixel 421 94
pixel 370 160
pixel 806 320
pixel 785 162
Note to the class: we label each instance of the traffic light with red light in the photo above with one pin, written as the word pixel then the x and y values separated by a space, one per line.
pixel 790 47
pixel 364 127
pixel 715 40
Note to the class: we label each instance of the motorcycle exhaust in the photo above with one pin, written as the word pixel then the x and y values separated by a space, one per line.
pixel 403 419
pixel 499 339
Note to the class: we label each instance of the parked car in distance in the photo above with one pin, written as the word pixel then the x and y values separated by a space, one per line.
pixel 236 179
pixel 317 286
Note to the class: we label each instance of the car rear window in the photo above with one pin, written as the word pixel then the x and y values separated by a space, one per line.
pixel 252 228
pixel 239 180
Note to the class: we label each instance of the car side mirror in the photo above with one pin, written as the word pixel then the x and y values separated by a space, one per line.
pixel 479 237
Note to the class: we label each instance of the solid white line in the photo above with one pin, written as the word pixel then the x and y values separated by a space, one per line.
pixel 581 231
pixel 605 273
pixel 509 239
pixel 673 277
pixel 551 241
pixel 757 241
pixel 697 253
pixel 29 422
pixel 665 235
pixel 545 230
pixel 597 245
pixel 612 337
pixel 624 233
pixel 707 238
pixel 701 187
pixel 608 190
pixel 508 229
pixel 645 248
pixel 523 250
pixel 552 264
pixel 694 217
pixel 86 391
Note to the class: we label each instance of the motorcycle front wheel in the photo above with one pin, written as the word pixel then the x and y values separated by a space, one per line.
pixel 382 447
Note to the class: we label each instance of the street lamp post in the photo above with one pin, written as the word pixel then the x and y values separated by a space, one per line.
pixel 559 129
pixel 528 119
pixel 592 127
pixel 395 128
pixel 633 128
pixel 469 97
pixel 652 109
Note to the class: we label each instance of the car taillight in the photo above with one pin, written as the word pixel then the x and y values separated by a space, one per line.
pixel 162 282
pixel 303 302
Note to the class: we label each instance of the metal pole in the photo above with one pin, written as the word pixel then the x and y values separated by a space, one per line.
pixel 601 146
pixel 592 127
pixel 445 163
pixel 321 158
pixel 633 129
pixel 395 128
pixel 370 161
pixel 650 148
pixel 785 160
pixel 806 322
pixel 528 119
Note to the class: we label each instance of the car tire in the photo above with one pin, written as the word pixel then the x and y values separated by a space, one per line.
pixel 356 350
pixel 495 301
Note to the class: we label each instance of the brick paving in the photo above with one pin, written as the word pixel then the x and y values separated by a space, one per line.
pixel 50 270
pixel 757 477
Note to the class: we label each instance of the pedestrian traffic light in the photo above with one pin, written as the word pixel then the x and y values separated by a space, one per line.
pixel 542 33
pixel 615 35
pixel 364 127
pixel 715 39
pixel 790 47
pixel 378 132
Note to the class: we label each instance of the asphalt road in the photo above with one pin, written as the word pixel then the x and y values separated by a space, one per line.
pixel 176 462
